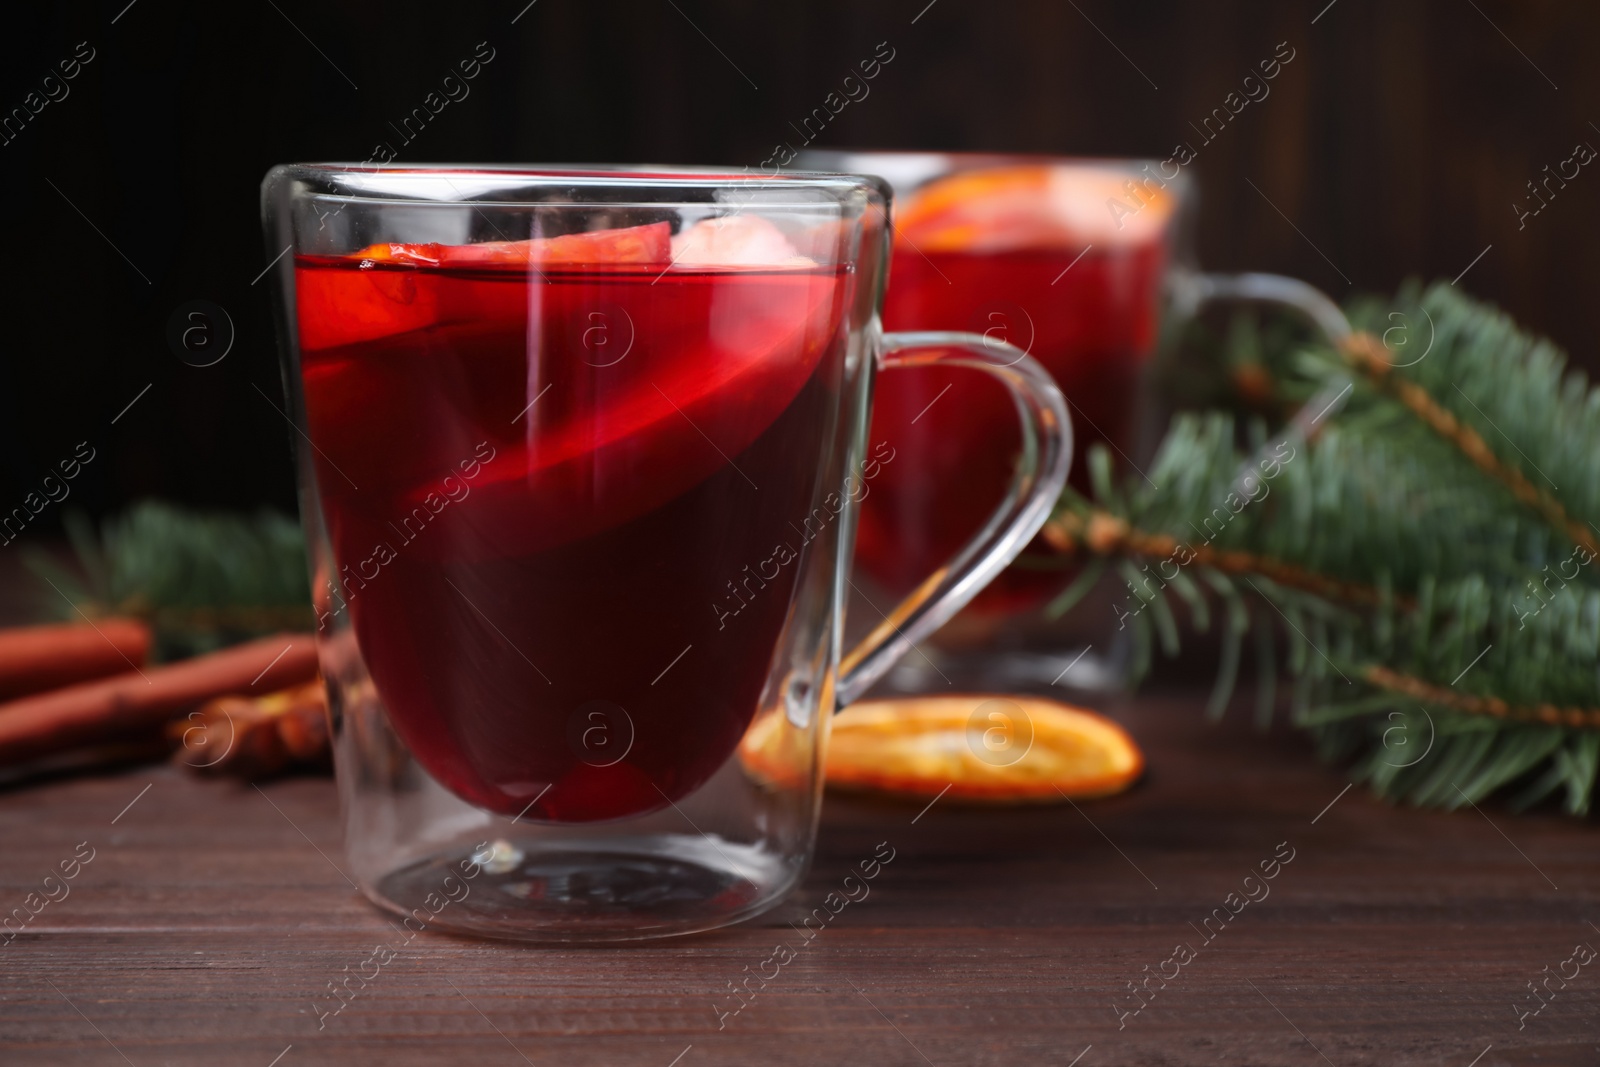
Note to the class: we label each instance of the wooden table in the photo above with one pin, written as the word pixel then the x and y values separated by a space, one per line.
pixel 212 914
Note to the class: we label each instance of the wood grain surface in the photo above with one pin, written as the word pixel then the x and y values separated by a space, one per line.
pixel 212 916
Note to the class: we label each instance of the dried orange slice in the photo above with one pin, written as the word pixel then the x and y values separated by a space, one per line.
pixel 981 748
pixel 1061 205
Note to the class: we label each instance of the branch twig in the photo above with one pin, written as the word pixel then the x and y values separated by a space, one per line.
pixel 1394 681
pixel 1105 534
pixel 1367 354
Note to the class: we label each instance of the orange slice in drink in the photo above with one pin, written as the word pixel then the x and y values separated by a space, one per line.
pixel 1036 206
pixel 633 244
pixel 982 748
pixel 341 307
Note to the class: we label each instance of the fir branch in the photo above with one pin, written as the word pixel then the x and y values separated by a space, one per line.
pixel 1369 356
pixel 1424 585
pixel 201 579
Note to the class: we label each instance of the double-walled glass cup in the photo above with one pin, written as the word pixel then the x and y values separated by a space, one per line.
pixel 1086 264
pixel 580 456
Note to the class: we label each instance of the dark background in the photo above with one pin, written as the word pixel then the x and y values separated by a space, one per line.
pixel 1397 142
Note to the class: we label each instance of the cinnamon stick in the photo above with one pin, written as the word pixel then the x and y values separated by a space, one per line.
pixel 36 658
pixel 138 704
pixel 256 737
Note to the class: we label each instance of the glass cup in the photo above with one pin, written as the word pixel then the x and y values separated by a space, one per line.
pixel 1085 264
pixel 580 453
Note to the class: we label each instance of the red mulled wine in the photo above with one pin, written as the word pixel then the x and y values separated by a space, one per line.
pixel 1027 256
pixel 559 479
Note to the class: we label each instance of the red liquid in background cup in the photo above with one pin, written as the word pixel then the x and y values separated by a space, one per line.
pixel 1002 253
pixel 538 463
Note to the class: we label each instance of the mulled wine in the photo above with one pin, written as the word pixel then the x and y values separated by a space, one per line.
pixel 1030 256
pixel 560 479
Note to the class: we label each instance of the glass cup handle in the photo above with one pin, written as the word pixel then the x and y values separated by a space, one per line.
pixel 1194 289
pixel 1040 475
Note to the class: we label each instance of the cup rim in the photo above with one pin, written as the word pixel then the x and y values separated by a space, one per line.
pixel 382 180
pixel 977 155
pixel 904 170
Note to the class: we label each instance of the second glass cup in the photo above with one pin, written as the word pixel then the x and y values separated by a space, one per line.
pixel 1086 264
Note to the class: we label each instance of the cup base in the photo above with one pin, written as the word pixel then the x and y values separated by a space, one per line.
pixel 610 889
